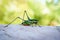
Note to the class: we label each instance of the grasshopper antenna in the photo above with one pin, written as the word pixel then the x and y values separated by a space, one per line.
pixel 14 20
pixel 27 15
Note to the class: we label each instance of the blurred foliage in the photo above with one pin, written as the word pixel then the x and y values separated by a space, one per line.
pixel 49 18
pixel 46 11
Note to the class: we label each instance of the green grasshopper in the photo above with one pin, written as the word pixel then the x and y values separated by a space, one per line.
pixel 26 22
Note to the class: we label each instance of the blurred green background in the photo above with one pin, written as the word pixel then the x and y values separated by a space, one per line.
pixel 46 11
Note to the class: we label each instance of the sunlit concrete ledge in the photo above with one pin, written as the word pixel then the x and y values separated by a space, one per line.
pixel 20 32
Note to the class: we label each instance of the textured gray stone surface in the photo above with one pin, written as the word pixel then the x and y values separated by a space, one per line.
pixel 19 32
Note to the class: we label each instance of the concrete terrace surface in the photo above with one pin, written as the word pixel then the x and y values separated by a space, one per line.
pixel 20 32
